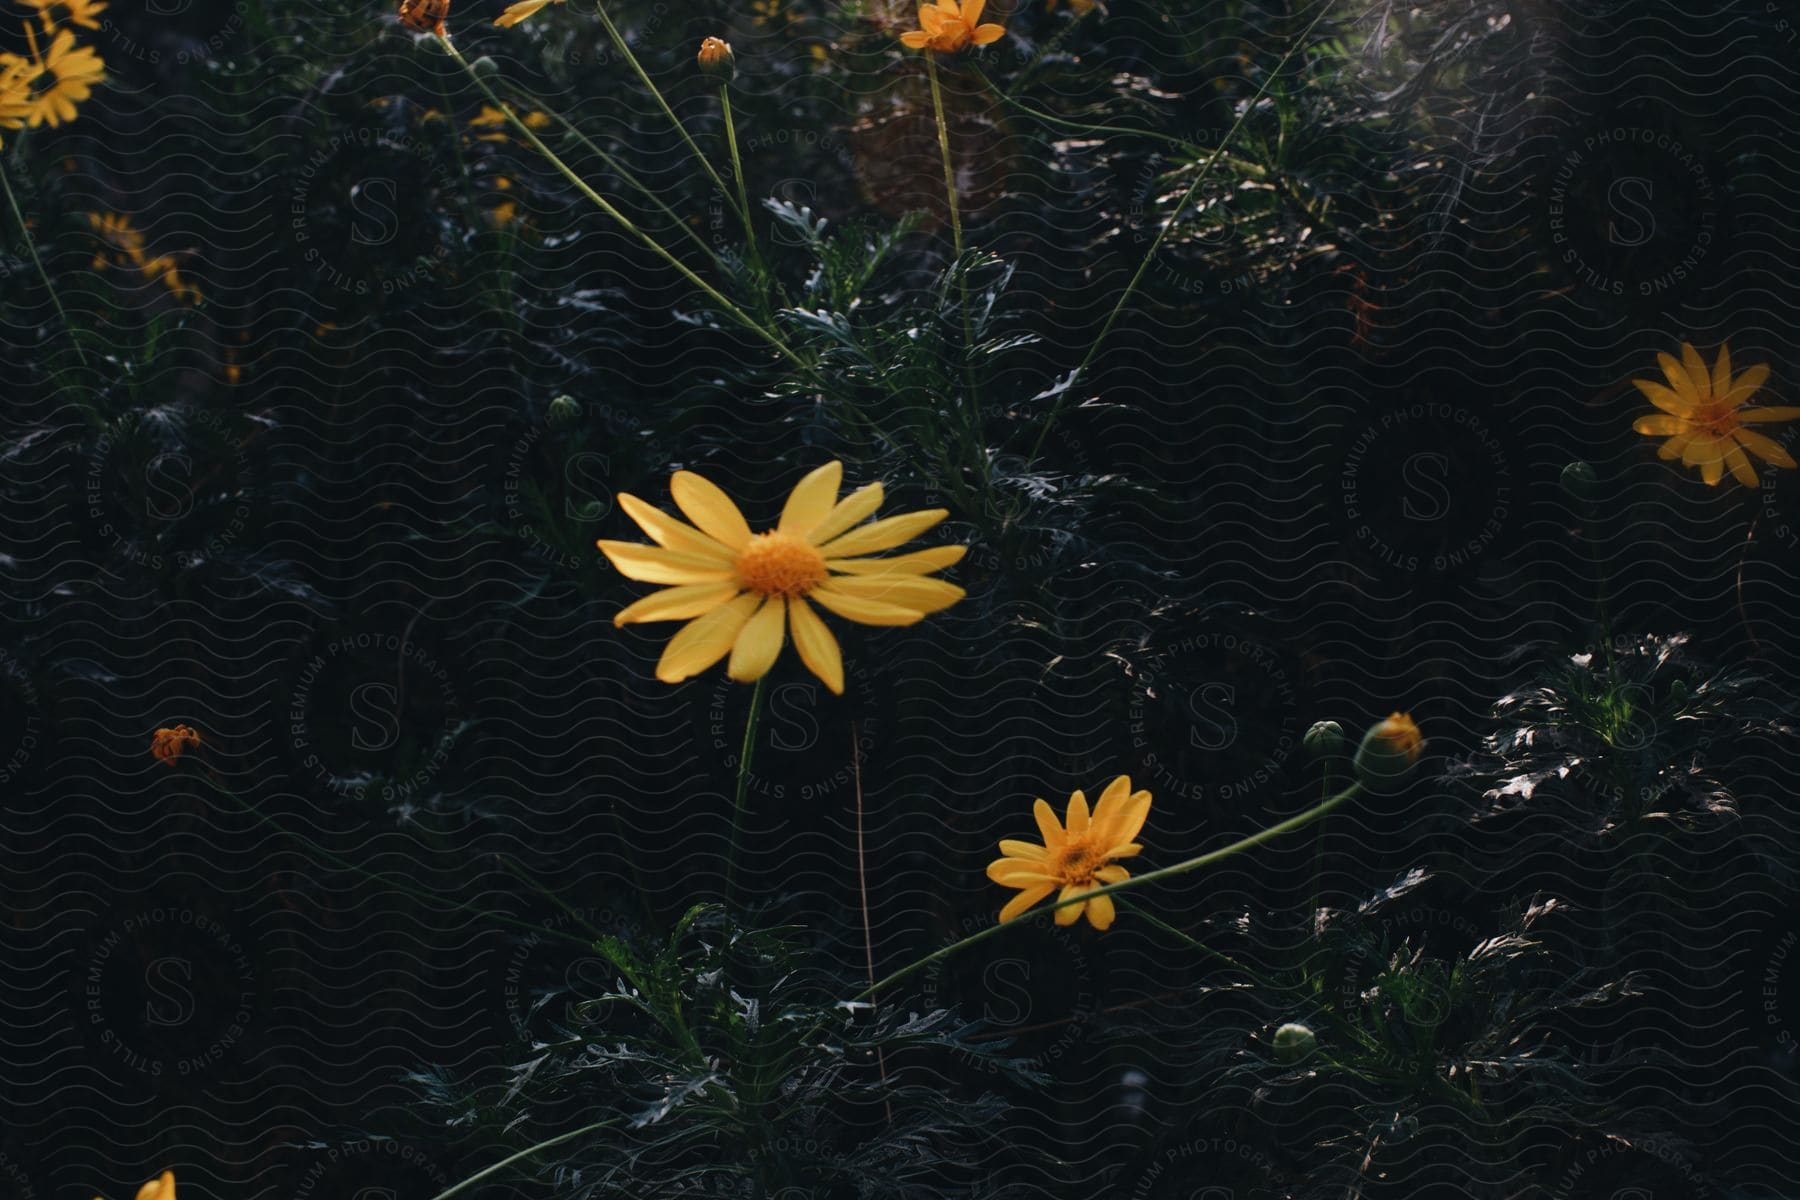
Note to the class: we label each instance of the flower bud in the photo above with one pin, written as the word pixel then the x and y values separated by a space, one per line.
pixel 1294 1042
pixel 564 412
pixel 485 67
pixel 1325 738
pixel 1579 480
pixel 715 58
pixel 1390 748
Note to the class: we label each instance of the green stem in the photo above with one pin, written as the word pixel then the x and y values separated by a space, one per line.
pixel 1192 942
pixel 1606 639
pixel 617 168
pixel 743 784
pixel 612 211
pixel 943 132
pixel 1180 868
pixel 625 50
pixel 737 169
pixel 1118 309
pixel 25 232
pixel 529 1151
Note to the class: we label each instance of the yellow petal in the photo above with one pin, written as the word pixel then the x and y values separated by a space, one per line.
pixel 818 648
pixel 971 10
pixel 1014 848
pixel 1674 446
pixel 160 1188
pixel 704 641
pixel 1765 448
pixel 1049 828
pixel 1678 378
pixel 812 500
pixel 1127 821
pixel 1100 912
pixel 1013 872
pixel 1773 412
pixel 666 531
pixel 1078 815
pixel 710 509
pixel 653 564
pixel 1112 873
pixel 759 643
pixel 518 12
pixel 1071 913
pixel 884 534
pixel 860 610
pixel 677 603
pixel 918 39
pixel 1701 449
pixel 1024 900
pixel 1696 368
pixel 1747 384
pixel 1663 398
pixel 1739 462
pixel 919 562
pixel 1720 380
pixel 851 509
pixel 985 34
pixel 1660 425
pixel 917 592
pixel 1114 792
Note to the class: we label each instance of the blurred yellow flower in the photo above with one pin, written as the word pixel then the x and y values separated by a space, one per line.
pixel 56 82
pixel 1076 859
pixel 737 590
pixel 1703 416
pixel 118 232
pixel 948 27
pixel 493 120
pixel 524 8
pixel 1080 8
pixel 85 13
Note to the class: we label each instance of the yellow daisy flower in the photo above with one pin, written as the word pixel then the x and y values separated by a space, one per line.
pixel 118 232
pixel 85 13
pixel 1076 859
pixel 54 84
pixel 738 590
pixel 524 8
pixel 948 27
pixel 1703 416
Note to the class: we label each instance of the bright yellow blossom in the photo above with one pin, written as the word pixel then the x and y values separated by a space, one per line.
pixel 85 13
pixel 1076 859
pixel 1703 416
pixel 524 8
pixel 740 590
pixel 948 27
pixel 55 83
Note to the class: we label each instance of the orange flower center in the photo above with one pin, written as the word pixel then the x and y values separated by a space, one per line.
pixel 1076 863
pixel 774 564
pixel 1716 417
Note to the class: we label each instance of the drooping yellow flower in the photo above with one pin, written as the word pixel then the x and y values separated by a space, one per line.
pixel 1703 416
pixel 524 8
pixel 948 27
pixel 56 82
pixel 739 590
pixel 1077 859
pixel 85 13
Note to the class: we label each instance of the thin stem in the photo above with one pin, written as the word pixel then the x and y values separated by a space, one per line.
pixel 743 784
pixel 610 210
pixel 1319 848
pixel 1180 868
pixel 862 890
pixel 1112 318
pixel 737 168
pixel 25 232
pixel 1606 639
pixel 616 167
pixel 943 132
pixel 529 1151
pixel 625 50
pixel 1192 942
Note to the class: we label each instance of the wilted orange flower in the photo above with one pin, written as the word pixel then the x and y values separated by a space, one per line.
pixel 166 746
pixel 1703 416
pixel 741 592
pixel 947 27
pixel 715 57
pixel 1076 859
pixel 1400 734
